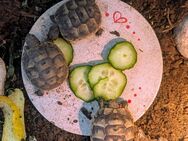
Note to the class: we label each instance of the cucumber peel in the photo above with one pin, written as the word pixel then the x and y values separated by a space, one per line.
pixel 123 56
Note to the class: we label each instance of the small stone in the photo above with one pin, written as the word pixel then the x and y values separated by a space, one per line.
pixel 32 138
pixel 181 37
pixel 177 63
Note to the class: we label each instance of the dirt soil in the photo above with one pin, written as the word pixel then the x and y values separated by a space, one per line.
pixel 167 117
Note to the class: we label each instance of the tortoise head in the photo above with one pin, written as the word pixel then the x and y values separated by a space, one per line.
pixel 31 41
pixel 117 103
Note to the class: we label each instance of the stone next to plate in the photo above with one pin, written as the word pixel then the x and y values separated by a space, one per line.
pixel 181 37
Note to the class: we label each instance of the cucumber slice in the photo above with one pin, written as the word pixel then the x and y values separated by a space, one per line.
pixel 78 80
pixel 66 48
pixel 107 82
pixel 109 89
pixel 123 56
pixel 98 72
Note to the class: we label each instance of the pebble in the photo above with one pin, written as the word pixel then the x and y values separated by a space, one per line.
pixel 181 33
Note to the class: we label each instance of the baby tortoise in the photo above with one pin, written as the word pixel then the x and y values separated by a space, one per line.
pixel 75 19
pixel 114 122
pixel 44 63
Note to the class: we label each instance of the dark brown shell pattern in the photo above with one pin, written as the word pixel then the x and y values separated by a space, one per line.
pixel 113 124
pixel 78 18
pixel 44 64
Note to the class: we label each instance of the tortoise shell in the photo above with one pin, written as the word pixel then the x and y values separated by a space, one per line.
pixel 44 64
pixel 77 18
pixel 113 123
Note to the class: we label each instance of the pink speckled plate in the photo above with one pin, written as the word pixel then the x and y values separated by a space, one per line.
pixel 62 108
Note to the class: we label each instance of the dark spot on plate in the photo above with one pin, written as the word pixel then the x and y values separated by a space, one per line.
pixel 127 26
pixel 129 101
pixel 75 121
pixel 115 33
pixel 107 14
pixel 59 103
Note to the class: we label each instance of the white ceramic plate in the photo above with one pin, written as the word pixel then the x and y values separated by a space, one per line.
pixel 62 108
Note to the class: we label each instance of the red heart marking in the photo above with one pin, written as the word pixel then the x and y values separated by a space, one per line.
pixel 118 18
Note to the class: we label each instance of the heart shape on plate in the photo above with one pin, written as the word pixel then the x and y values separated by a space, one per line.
pixel 118 18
